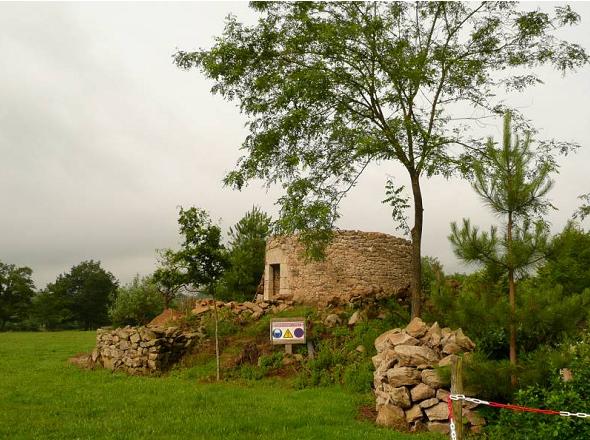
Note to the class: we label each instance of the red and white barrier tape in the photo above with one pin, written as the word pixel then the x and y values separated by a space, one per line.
pixel 452 397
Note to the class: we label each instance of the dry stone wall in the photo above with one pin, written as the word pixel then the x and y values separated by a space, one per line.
pixel 409 393
pixel 358 264
pixel 141 350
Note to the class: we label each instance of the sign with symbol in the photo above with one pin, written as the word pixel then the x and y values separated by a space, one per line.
pixel 287 331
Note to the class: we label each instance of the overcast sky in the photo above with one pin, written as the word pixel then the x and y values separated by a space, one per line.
pixel 102 138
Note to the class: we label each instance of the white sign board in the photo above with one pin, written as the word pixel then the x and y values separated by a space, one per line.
pixel 287 331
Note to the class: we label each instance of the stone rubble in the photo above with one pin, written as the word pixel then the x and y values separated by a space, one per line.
pixel 246 310
pixel 408 390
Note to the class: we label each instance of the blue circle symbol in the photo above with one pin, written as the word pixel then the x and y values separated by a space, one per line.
pixel 298 332
pixel 277 333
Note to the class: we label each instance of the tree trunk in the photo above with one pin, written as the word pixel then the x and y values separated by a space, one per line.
pixel 512 301
pixel 416 284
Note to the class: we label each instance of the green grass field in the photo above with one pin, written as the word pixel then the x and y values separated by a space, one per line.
pixel 43 397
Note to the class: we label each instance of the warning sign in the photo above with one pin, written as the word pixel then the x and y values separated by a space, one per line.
pixel 287 331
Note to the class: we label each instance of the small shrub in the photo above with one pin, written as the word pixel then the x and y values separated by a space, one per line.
pixel 573 396
pixel 271 361
pixel 226 325
pixel 358 376
pixel 251 372
pixel 136 303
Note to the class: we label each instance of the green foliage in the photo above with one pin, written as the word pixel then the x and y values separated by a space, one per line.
pixel 432 273
pixel 337 360
pixel 573 396
pixel 266 364
pixel 202 257
pixel 399 204
pixel 584 210
pixel 491 378
pixel 78 299
pixel 16 293
pixel 271 361
pixel 246 256
pixel 169 277
pixel 331 87
pixel 358 376
pixel 512 181
pixel 476 304
pixel 326 367
pixel 547 315
pixel 227 324
pixel 568 260
pixel 136 303
pixel 251 372
pixel 50 311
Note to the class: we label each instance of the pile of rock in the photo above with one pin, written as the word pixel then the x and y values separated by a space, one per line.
pixel 408 389
pixel 246 310
pixel 142 350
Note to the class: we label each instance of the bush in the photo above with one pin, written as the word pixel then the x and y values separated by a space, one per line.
pixel 226 326
pixel 573 396
pixel 358 376
pixel 136 303
pixel 478 304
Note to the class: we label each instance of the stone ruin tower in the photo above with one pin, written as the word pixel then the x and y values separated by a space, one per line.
pixel 357 265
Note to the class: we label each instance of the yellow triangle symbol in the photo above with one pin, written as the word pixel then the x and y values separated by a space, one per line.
pixel 287 334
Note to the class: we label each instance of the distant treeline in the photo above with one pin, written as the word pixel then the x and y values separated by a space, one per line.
pixel 88 296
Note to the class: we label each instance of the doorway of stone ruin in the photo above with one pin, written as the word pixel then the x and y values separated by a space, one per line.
pixel 276 280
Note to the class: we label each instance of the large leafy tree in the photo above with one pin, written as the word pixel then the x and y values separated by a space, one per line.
pixel 83 295
pixel 16 292
pixel 331 87
pixel 247 243
pixel 513 184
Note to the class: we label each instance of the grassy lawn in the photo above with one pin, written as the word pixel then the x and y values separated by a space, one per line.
pixel 42 397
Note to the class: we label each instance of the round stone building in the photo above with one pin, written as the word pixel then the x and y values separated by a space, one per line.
pixel 357 264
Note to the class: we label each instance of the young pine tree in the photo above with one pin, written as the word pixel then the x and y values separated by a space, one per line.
pixel 513 183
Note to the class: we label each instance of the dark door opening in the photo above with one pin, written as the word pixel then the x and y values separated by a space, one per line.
pixel 276 279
